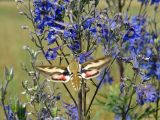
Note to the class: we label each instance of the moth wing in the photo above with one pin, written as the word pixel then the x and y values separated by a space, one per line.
pixel 92 68
pixel 55 73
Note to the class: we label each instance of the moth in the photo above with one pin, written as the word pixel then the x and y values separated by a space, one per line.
pixel 74 72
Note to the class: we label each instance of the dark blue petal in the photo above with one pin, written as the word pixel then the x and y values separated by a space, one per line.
pixel 51 54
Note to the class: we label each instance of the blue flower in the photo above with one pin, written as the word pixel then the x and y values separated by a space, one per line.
pixel 67 34
pixel 152 67
pixel 51 54
pixel 93 30
pixel 157 72
pixel 144 1
pixel 46 12
pixel 71 110
pixel 75 46
pixel 130 35
pixel 118 117
pixel 9 112
pixel 155 2
pixel 88 23
pixel 85 56
pixel 51 37
pixel 146 93
pixel 71 34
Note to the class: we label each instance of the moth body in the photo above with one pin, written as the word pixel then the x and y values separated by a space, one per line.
pixel 75 72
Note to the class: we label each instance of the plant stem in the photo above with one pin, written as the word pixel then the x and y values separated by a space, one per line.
pixel 80 105
pixel 121 69
pixel 157 104
pixel 129 5
pixel 84 98
pixel 128 108
pixel 124 115
pixel 3 98
pixel 106 71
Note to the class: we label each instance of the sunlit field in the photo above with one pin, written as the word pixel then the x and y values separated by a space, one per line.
pixel 12 39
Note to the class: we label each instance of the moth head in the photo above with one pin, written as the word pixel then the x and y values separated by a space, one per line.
pixel 74 66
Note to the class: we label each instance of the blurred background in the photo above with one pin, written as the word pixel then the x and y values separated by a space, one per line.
pixel 12 39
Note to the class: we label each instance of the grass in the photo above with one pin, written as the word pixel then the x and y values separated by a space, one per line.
pixel 12 38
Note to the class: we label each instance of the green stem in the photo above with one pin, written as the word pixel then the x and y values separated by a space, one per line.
pixel 157 104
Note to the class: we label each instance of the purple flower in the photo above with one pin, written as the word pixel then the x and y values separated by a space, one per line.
pixel 152 67
pixel 88 23
pixel 155 2
pixel 157 72
pixel 75 46
pixel 51 37
pixel 9 113
pixel 118 117
pixel 85 56
pixel 71 110
pixel 46 12
pixel 51 54
pixel 130 35
pixel 144 1
pixel 146 93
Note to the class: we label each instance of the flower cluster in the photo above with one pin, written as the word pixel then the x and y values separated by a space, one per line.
pixel 146 93
pixel 72 111
pixel 156 2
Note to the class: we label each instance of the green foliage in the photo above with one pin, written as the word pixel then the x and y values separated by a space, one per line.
pixel 55 111
pixel 112 101
pixel 18 108
pixel 9 74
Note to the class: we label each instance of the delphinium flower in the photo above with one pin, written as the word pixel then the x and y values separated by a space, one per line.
pixel 146 93
pixel 155 2
pixel 147 1
pixel 51 54
pixel 144 1
pixel 71 110
pixel 85 56
pixel 48 17
pixel 10 114
pixel 152 68
pixel 118 117
pixel 138 42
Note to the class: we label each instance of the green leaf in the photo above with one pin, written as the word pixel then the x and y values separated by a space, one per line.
pixel 6 73
pixel 14 104
pixel 21 112
pixel 55 111
pixel 85 1
pixel 157 41
pixel 9 73
pixel 104 95
pixel 100 102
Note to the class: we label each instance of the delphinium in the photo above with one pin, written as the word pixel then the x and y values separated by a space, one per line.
pixel 67 34
pixel 138 97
